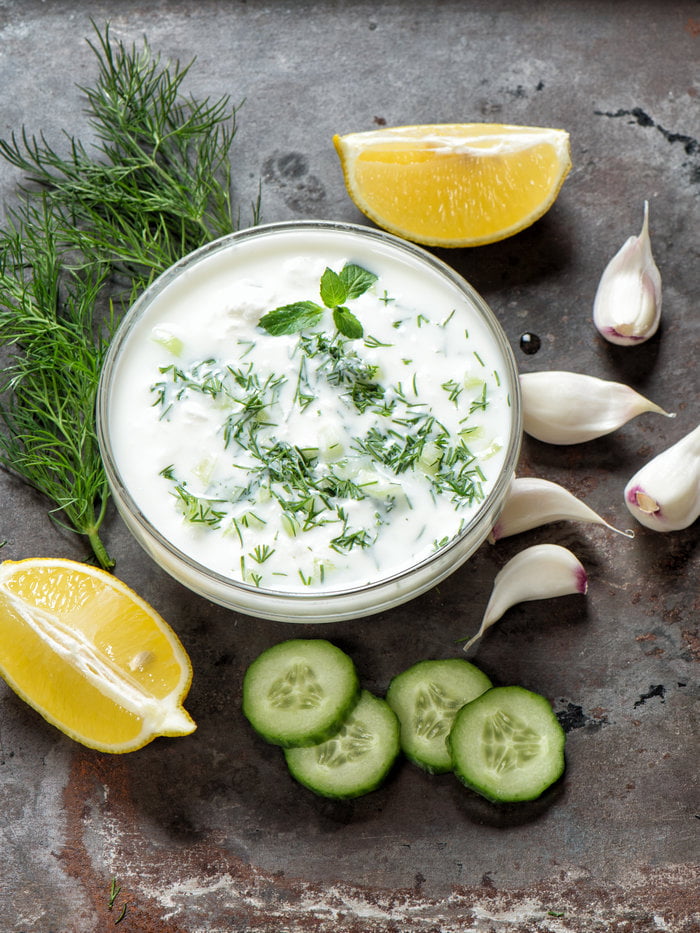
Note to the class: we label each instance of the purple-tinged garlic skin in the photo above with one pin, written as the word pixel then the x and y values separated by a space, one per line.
pixel 627 304
pixel 542 571
pixel 561 407
pixel 532 501
pixel 664 494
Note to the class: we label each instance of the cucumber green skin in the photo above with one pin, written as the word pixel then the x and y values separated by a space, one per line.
pixel 355 778
pixel 456 678
pixel 299 728
pixel 518 783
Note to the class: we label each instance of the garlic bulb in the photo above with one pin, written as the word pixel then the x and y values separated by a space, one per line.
pixel 627 305
pixel 532 501
pixel 539 572
pixel 570 408
pixel 665 493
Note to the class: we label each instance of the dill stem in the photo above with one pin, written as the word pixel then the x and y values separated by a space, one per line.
pixel 93 536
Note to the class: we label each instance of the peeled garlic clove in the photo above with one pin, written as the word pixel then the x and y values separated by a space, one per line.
pixel 570 408
pixel 532 501
pixel 539 572
pixel 664 494
pixel 627 305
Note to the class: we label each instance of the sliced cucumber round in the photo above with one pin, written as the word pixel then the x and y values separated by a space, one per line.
pixel 354 761
pixel 426 697
pixel 507 745
pixel 300 691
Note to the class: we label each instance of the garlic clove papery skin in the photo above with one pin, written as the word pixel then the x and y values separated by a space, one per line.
pixel 664 494
pixel 627 304
pixel 562 407
pixel 542 571
pixel 532 501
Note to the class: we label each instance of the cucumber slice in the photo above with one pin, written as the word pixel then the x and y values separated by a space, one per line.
pixel 426 697
pixel 357 759
pixel 300 691
pixel 507 745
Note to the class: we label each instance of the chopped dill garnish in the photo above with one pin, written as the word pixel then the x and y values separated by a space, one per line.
pixel 454 389
pixel 326 451
pixel 198 510
pixel 480 403
pixel 261 553
pixel 372 343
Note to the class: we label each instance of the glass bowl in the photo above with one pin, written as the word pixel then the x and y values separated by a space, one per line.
pixel 190 332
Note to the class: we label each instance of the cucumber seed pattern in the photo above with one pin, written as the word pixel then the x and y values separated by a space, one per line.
pixel 352 742
pixel 435 711
pixel 297 688
pixel 508 742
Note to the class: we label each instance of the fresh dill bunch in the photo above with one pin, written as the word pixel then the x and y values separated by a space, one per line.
pixel 156 183
pixel 49 383
pixel 93 227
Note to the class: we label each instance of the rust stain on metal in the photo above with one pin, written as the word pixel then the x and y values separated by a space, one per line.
pixel 202 888
pixel 691 639
pixel 103 781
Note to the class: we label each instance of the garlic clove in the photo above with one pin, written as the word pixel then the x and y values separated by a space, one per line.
pixel 627 304
pixel 664 494
pixel 542 571
pixel 532 501
pixel 570 408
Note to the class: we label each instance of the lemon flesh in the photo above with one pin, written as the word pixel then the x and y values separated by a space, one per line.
pixel 454 184
pixel 90 655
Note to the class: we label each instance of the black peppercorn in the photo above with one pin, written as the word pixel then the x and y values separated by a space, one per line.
pixel 530 343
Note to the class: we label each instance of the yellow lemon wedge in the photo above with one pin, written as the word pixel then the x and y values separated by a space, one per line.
pixel 91 656
pixel 454 184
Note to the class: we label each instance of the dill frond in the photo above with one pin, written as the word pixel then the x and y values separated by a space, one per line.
pixel 92 228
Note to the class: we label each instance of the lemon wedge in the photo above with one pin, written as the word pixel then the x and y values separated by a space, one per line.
pixel 454 184
pixel 91 656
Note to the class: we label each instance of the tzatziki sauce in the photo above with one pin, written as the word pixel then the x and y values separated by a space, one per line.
pixel 349 436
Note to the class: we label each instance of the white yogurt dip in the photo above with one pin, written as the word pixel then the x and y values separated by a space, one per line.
pixel 311 461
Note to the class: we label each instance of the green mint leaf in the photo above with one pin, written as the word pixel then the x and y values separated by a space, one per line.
pixel 356 280
pixel 333 290
pixel 289 319
pixel 347 323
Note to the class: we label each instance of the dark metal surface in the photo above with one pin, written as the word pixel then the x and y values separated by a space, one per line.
pixel 208 833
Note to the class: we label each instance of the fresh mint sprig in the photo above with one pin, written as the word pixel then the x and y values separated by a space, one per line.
pixel 336 288
pixel 289 319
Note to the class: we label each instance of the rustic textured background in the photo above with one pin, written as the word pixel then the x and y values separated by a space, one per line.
pixel 208 833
